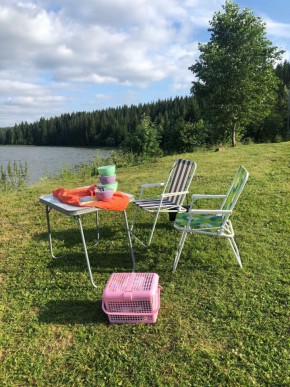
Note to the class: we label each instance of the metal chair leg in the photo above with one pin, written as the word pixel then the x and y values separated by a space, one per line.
pixel 132 226
pixel 153 228
pixel 134 218
pixel 235 249
pixel 179 250
pixel 151 233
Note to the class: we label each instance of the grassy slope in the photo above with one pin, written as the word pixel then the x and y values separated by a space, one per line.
pixel 218 324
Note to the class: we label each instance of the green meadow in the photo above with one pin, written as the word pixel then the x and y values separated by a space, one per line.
pixel 218 325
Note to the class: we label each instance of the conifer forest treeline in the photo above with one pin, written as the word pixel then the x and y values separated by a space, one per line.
pixel 178 122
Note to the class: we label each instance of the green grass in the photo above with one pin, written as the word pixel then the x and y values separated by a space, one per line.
pixel 218 325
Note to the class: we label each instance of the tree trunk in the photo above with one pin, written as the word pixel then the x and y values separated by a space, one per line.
pixel 234 133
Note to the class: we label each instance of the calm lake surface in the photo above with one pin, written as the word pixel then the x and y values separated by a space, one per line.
pixel 44 161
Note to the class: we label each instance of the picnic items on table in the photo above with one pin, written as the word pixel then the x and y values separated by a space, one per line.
pixel 107 178
pixel 104 196
pixel 82 201
pixel 85 197
pixel 132 298
pixel 99 195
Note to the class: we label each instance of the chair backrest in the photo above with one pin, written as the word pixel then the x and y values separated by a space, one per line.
pixel 179 179
pixel 235 189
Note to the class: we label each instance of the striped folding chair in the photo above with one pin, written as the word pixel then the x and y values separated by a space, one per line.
pixel 172 197
pixel 213 222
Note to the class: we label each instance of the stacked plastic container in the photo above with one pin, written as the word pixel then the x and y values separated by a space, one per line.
pixel 107 178
pixel 107 183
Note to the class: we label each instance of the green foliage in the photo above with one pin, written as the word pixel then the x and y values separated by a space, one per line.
pixel 109 127
pixel 144 141
pixel 188 136
pixel 236 79
pixel 282 70
pixel 123 158
pixel 14 176
pixel 112 127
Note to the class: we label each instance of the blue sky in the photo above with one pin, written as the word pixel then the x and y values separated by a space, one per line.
pixel 63 56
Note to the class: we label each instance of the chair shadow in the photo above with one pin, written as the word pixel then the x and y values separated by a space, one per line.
pixel 72 312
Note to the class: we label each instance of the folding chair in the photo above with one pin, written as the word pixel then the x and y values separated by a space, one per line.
pixel 212 222
pixel 172 197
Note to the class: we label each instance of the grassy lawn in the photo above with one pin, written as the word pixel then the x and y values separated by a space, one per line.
pixel 218 325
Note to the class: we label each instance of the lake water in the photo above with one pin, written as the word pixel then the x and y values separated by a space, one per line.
pixel 44 161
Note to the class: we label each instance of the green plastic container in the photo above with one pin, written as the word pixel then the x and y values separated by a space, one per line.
pixel 107 170
pixel 112 186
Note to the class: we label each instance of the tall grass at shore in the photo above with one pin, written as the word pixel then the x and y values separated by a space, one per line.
pixel 218 325
pixel 13 176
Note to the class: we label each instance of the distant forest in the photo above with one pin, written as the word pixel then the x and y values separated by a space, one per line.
pixel 113 126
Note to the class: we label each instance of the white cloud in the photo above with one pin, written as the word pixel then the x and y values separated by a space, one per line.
pixel 279 33
pixel 30 101
pixel 281 30
pixel 58 55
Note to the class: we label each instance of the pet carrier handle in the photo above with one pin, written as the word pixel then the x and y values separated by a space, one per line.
pixel 128 290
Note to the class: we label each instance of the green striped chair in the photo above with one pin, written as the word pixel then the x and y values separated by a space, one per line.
pixel 173 193
pixel 212 222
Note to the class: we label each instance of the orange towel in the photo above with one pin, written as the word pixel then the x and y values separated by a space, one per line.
pixel 119 201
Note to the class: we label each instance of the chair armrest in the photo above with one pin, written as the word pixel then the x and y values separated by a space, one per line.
pixel 152 185
pixel 213 212
pixel 167 195
pixel 205 196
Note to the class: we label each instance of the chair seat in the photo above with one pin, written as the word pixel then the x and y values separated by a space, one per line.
pixel 200 221
pixel 148 204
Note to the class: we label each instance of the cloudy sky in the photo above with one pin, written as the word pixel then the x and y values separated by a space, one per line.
pixel 60 56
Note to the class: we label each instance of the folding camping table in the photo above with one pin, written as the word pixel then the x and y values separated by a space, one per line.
pixel 52 202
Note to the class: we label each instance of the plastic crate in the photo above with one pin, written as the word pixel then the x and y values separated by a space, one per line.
pixel 132 298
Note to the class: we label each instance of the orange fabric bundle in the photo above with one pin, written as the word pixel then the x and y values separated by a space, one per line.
pixel 119 201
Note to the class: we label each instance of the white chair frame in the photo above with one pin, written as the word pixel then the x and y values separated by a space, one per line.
pixel 224 230
pixel 172 197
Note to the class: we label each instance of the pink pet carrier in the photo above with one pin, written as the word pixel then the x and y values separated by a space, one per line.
pixel 132 298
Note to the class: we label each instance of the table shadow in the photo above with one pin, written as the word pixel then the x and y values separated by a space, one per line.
pixel 72 312
pixel 71 236
pixel 101 264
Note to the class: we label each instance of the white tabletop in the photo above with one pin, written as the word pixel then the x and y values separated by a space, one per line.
pixel 67 209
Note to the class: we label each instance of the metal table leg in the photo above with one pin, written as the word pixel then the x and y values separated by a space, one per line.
pixel 48 209
pixel 78 219
pixel 49 232
pixel 130 241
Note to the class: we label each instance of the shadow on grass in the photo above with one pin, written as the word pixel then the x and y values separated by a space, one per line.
pixel 107 254
pixel 72 312
pixel 101 260
pixel 71 236
pixel 111 253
